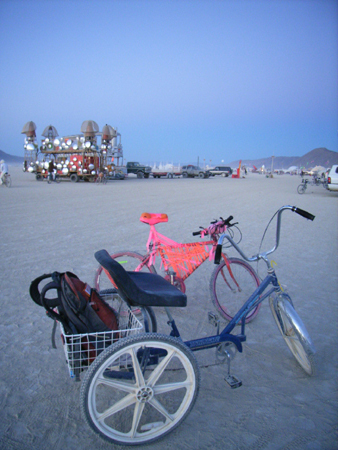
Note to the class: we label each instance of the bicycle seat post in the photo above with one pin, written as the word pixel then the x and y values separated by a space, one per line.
pixel 171 321
pixel 172 276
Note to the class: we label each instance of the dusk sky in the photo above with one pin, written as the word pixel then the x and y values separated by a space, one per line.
pixel 181 80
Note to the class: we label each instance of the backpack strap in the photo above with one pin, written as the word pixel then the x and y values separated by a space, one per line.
pixel 51 304
pixel 34 290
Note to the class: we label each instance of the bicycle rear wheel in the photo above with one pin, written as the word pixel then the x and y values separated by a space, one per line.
pixel 301 189
pixel 140 389
pixel 130 261
pixel 228 293
pixel 293 331
pixel 8 181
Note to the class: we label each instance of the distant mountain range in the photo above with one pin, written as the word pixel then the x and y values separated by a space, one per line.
pixel 317 157
pixel 10 159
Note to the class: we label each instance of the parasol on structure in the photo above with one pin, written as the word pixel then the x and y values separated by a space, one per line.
pixel 29 129
pixel 50 132
pixel 108 132
pixel 89 128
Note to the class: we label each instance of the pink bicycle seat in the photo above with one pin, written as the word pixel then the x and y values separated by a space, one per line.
pixel 153 219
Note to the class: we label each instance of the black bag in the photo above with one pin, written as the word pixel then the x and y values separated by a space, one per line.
pixel 80 309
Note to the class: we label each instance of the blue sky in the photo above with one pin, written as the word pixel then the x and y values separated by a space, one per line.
pixel 181 80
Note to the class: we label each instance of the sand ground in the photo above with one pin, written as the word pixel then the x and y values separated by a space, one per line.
pixel 59 227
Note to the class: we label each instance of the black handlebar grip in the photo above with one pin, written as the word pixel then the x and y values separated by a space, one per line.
pixel 218 254
pixel 196 233
pixel 303 213
pixel 228 220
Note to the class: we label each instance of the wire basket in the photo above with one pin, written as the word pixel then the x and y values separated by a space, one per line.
pixel 82 349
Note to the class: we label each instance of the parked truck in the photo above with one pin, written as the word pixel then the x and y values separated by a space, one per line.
pixel 168 171
pixel 138 169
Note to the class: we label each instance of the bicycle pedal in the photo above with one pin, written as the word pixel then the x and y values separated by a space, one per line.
pixel 232 381
pixel 213 318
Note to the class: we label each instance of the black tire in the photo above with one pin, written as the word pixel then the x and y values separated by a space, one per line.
pixel 201 175
pixel 8 181
pixel 227 297
pixel 140 175
pixel 294 332
pixel 74 178
pixel 301 188
pixel 184 175
pixel 140 389
pixel 148 319
pixel 146 175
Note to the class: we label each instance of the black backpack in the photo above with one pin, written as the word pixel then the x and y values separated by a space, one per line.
pixel 81 310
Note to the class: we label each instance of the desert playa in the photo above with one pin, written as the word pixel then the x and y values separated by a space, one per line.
pixel 59 227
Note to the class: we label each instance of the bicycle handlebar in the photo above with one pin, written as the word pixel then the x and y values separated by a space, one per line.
pixel 303 213
pixel 218 252
pixel 221 223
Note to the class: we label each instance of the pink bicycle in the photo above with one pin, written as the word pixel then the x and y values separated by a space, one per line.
pixel 231 282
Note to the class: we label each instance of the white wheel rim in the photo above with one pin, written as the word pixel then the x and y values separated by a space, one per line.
pixel 141 396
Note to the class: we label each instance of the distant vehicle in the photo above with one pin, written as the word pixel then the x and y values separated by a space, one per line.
pixel 191 171
pixel 332 179
pixel 168 172
pixel 225 171
pixel 138 169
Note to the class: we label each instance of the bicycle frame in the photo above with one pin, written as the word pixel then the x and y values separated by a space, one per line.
pixel 160 245
pixel 255 299
pixel 225 336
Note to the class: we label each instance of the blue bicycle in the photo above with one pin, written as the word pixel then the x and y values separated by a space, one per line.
pixel 142 387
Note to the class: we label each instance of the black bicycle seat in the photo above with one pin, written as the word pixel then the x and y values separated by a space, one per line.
pixel 141 288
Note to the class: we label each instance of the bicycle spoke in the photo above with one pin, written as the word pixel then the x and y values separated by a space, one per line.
pixel 137 369
pixel 124 403
pixel 163 388
pixel 161 409
pixel 155 375
pixel 139 407
pixel 119 385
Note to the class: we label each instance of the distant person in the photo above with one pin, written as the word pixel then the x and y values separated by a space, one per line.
pixel 3 170
pixel 51 168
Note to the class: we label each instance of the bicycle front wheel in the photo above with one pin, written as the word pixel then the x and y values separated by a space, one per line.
pixel 293 331
pixel 140 389
pixel 301 189
pixel 231 286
